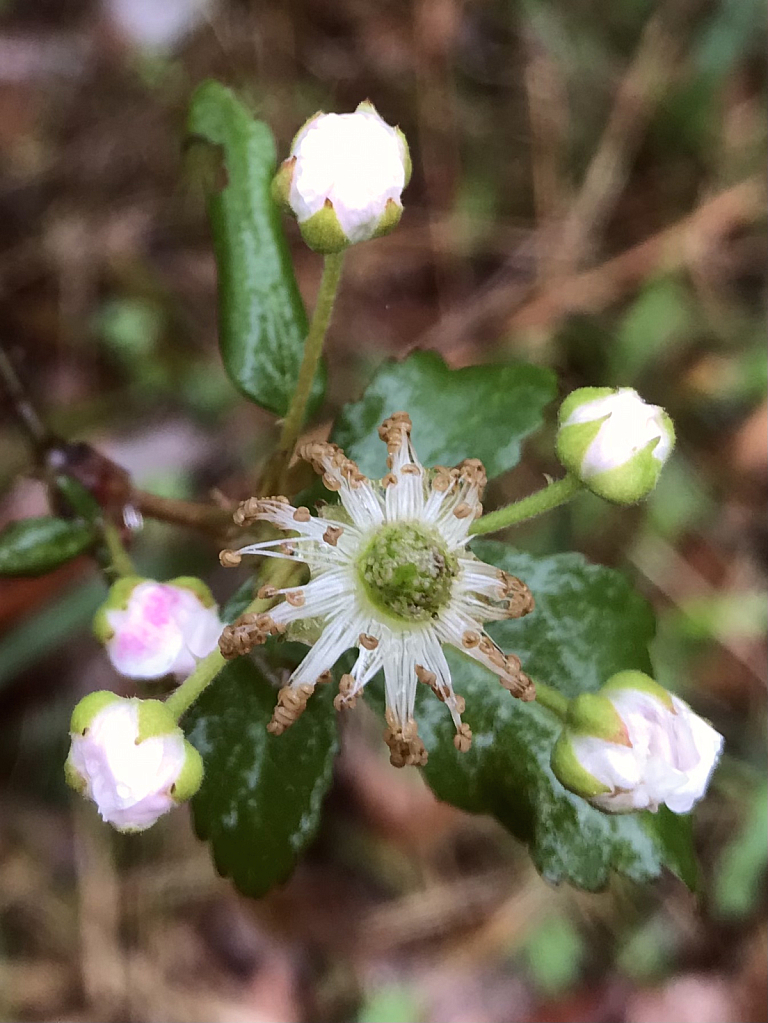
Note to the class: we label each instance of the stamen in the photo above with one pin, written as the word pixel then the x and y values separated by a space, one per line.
pixel 230 559
pixel 462 740
pixel 516 681
pixel 367 641
pixel 345 696
pixel 246 632
pixel 267 592
pixel 409 469
pixel 302 514
pixel 405 746
pixel 390 480
pixel 296 598
pixel 324 678
pixel 462 510
pixel 332 534
pixel 470 639
pixel 291 703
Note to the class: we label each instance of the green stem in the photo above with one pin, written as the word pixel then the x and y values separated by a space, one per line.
pixel 313 349
pixel 553 700
pixel 278 574
pixel 119 561
pixel 550 497
pixel 205 672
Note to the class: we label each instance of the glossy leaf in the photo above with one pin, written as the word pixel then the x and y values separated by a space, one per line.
pixel 480 412
pixel 36 546
pixel 262 322
pixel 587 625
pixel 259 804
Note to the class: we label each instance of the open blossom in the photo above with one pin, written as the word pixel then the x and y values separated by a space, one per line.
pixel 614 442
pixel 390 575
pixel 131 759
pixel 635 746
pixel 344 178
pixel 153 629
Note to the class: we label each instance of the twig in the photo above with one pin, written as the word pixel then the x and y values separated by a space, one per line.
pixel 195 515
pixel 22 404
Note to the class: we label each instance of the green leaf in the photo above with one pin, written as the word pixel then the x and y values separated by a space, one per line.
pixel 259 804
pixel 480 412
pixel 262 322
pixel 588 624
pixel 37 546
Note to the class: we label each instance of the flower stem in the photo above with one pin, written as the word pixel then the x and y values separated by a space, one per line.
pixel 553 700
pixel 278 573
pixel 557 493
pixel 119 561
pixel 313 349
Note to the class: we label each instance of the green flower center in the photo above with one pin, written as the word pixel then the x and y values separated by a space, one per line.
pixel 407 571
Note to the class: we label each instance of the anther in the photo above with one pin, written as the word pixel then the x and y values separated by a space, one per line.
pixel 462 510
pixel 367 641
pixel 410 469
pixel 302 515
pixel 289 549
pixel 470 639
pixel 267 592
pixel 332 534
pixel 324 678
pixel 345 696
pixel 291 703
pixel 330 482
pixel 424 675
pixel 462 740
pixel 230 559
pixel 390 480
pixel 296 598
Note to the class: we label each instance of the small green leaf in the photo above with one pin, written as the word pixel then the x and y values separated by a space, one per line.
pixel 262 322
pixel 37 546
pixel 480 412
pixel 588 624
pixel 259 804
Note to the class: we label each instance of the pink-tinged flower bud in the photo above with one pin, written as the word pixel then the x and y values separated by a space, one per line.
pixel 131 759
pixel 153 629
pixel 344 178
pixel 634 746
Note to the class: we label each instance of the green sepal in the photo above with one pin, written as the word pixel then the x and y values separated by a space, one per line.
pixel 155 720
pixel 303 128
pixel 280 189
pixel 638 680
pixel 366 107
pixel 580 397
pixel 570 773
pixel 389 219
pixel 117 600
pixel 630 482
pixel 73 778
pixel 87 709
pixel 594 714
pixel 322 231
pixel 196 586
pixel 572 442
pixel 407 163
pixel 191 777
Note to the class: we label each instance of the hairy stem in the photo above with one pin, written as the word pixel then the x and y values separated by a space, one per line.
pixel 119 561
pixel 553 700
pixel 555 494
pixel 313 349
pixel 278 573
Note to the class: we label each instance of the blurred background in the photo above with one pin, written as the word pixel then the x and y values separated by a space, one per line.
pixel 587 194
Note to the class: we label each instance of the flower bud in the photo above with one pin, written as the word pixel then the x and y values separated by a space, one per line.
pixel 634 746
pixel 344 178
pixel 151 629
pixel 131 759
pixel 614 442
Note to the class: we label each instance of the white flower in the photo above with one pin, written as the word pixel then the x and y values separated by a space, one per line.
pixel 390 575
pixel 614 441
pixel 131 759
pixel 344 178
pixel 661 751
pixel 151 629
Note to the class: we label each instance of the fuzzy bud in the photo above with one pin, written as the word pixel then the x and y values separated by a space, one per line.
pixel 634 746
pixel 344 178
pixel 614 442
pixel 153 629
pixel 131 759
